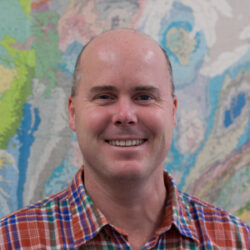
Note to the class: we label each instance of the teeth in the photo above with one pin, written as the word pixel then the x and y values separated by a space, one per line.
pixel 126 143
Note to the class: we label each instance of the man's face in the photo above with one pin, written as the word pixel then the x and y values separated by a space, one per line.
pixel 123 112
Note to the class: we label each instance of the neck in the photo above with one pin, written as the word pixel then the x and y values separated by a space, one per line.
pixel 135 206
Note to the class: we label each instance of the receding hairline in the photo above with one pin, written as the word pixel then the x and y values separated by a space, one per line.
pixel 77 75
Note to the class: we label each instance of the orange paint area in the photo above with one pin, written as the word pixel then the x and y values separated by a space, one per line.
pixel 39 3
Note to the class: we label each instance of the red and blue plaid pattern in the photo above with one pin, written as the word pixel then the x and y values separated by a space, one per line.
pixel 69 220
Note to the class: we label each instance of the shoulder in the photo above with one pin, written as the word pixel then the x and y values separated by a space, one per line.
pixel 212 222
pixel 55 222
pixel 52 203
pixel 34 222
pixel 209 211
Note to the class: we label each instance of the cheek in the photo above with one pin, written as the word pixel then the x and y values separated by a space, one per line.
pixel 93 121
pixel 157 122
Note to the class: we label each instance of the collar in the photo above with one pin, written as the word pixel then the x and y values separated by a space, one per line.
pixel 88 221
pixel 177 211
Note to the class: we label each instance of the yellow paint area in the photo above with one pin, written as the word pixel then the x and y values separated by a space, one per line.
pixel 7 76
pixel 245 215
pixel 4 159
pixel 181 44
pixel 2 163
pixel 26 6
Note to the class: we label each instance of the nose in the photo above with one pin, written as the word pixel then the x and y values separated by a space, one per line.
pixel 125 113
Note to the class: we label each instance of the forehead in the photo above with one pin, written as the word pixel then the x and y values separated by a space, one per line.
pixel 119 42
pixel 123 56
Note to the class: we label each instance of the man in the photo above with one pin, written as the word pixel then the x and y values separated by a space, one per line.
pixel 123 110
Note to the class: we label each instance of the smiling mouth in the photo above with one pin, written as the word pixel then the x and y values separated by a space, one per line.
pixel 126 143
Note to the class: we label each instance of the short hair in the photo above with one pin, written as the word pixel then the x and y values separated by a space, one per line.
pixel 170 70
pixel 76 75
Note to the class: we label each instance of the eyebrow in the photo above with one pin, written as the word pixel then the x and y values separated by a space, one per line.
pixel 101 88
pixel 146 88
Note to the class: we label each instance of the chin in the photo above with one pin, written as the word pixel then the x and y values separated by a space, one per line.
pixel 129 171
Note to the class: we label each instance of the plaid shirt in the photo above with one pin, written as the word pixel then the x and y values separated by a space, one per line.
pixel 69 220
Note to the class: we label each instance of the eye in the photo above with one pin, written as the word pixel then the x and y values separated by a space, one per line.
pixel 103 99
pixel 144 98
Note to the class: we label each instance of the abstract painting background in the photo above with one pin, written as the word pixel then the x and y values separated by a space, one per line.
pixel 209 47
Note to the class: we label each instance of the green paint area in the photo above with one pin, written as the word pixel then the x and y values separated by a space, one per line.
pixel 26 6
pixel 13 99
pixel 46 47
pixel 13 19
pixel 244 212
pixel 241 211
pixel 233 187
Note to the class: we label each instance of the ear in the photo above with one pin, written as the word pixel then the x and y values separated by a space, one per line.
pixel 175 104
pixel 71 113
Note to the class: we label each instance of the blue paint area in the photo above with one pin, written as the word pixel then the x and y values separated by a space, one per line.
pixel 181 16
pixel 215 86
pixel 181 8
pixel 185 75
pixel 240 103
pixel 11 175
pixel 176 161
pixel 245 137
pixel 25 136
pixel 227 120
pixel 69 57
pixel 242 65
pixel 237 104
pixel 184 163
pixel 181 24
pixel 60 177
pixel 181 12
pixel 49 188
pixel 9 186
pixel 62 174
pixel 63 68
